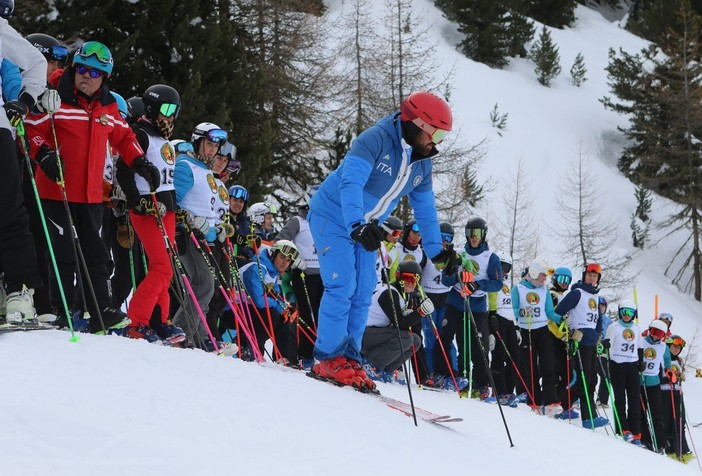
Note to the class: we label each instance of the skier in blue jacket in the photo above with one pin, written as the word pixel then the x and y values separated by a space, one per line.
pixel 386 162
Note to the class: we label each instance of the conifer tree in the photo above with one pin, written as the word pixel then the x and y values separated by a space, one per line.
pixel 554 13
pixel 663 102
pixel 578 70
pixel 544 53
pixel 640 219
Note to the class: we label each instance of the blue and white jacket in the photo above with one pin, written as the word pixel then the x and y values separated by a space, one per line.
pixel 376 173
pixel 489 282
pixel 254 276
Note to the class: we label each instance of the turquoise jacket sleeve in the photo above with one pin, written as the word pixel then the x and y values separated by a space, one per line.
pixel 183 180
pixel 11 80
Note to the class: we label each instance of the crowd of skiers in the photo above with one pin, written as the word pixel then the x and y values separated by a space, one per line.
pixel 104 210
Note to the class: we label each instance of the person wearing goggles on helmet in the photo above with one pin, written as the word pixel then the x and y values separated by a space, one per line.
pixel 18 257
pixel 674 422
pixel 623 344
pixel 305 278
pixel 203 201
pixel 477 273
pixel 261 279
pixel 54 52
pixel 395 306
pixel 89 122
pixel 388 255
pixel 657 362
pixel 345 215
pixel 582 306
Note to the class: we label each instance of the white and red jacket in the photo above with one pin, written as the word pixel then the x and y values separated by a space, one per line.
pixel 84 128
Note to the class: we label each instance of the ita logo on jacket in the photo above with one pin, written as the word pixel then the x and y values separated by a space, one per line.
pixel 167 153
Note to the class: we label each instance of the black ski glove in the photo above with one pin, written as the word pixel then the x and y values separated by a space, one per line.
pixel 368 235
pixel 15 110
pixel 447 260
pixel 49 163
pixel 147 170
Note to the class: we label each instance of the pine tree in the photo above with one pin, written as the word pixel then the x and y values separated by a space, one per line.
pixel 544 53
pixel 554 13
pixel 640 219
pixel 484 24
pixel 578 70
pixel 662 101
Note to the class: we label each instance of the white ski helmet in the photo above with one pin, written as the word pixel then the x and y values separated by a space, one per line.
pixel 207 129
pixel 660 326
pixel 286 248
pixel 258 211
pixel 537 267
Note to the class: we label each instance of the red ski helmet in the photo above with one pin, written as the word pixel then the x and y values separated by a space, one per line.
pixel 428 112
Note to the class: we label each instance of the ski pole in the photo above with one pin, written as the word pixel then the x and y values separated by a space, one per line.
pixel 651 426
pixel 689 431
pixel 608 383
pixel 441 346
pixel 265 300
pixel 385 277
pixel 583 382
pixel 77 249
pixel 492 380
pixel 25 152
pixel 514 364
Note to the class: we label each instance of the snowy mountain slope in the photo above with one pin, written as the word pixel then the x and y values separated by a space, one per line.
pixel 112 406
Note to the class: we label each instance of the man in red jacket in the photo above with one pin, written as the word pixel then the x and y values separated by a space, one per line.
pixel 86 123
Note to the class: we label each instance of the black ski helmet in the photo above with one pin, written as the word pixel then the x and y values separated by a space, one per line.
pixel 135 108
pixel 6 8
pixel 476 223
pixel 446 227
pixel 392 224
pixel 157 95
pixel 49 46
pixel 408 267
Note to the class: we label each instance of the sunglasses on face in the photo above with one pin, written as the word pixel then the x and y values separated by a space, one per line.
pixel 168 109
pixel 627 311
pixel 94 73
pixel 448 237
pixel 563 279
pixel 97 49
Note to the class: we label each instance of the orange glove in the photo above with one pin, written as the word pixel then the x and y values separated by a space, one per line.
pixel 672 376
pixel 290 313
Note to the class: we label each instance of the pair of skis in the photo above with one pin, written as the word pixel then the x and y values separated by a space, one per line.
pixel 398 405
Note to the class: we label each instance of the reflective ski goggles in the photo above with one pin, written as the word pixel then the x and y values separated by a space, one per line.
pixel 184 147
pixel 448 237
pixel 409 278
pixel 55 52
pixel 593 268
pixel 656 333
pixel 167 109
pixel 100 51
pixel 479 233
pixel 562 279
pixel 627 311
pixel 94 73
pixel 288 251
pixel 676 340
pixel 239 192
pixel 437 135
pixel 506 268
pixel 217 135
pixel 415 228
pixel 391 232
